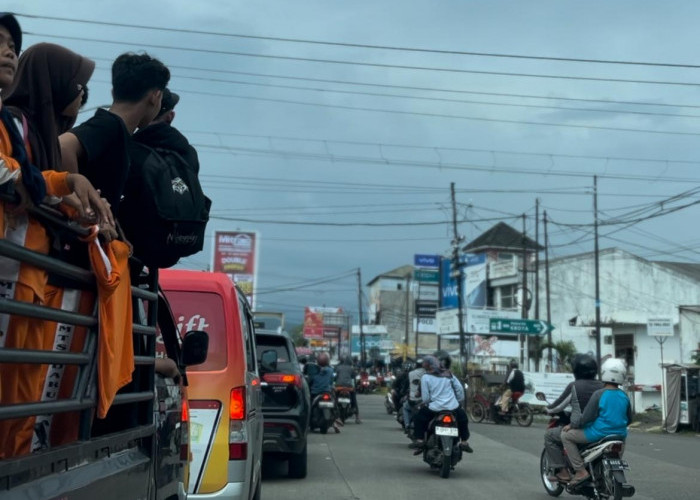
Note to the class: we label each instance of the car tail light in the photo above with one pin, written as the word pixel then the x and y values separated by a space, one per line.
pixel 447 419
pixel 185 436
pixel 238 426
pixel 283 378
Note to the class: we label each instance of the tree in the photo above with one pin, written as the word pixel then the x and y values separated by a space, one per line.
pixel 565 350
pixel 296 333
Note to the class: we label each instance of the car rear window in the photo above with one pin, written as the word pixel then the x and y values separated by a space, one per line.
pixel 202 311
pixel 286 359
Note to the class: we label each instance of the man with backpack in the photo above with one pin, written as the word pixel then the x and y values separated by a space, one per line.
pixel 164 211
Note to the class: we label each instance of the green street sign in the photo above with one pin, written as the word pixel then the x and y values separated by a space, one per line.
pixel 426 275
pixel 520 326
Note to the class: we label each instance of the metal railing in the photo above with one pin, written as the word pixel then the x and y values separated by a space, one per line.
pixel 137 397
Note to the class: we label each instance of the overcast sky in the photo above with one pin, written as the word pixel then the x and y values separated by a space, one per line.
pixel 289 140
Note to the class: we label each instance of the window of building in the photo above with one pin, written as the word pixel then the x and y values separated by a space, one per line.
pixel 508 297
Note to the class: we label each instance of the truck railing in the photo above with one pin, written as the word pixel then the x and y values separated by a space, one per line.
pixel 136 398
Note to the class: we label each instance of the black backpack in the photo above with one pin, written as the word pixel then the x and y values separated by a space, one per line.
pixel 164 211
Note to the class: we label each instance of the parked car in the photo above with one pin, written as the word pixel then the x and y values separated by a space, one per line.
pixel 226 420
pixel 286 401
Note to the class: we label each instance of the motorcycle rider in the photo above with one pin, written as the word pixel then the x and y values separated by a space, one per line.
pixel 440 391
pixel 414 398
pixel 516 386
pixel 400 388
pixel 607 413
pixel 577 394
pixel 321 380
pixel 345 375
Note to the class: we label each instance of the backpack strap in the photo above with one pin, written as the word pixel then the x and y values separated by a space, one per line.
pixel 25 136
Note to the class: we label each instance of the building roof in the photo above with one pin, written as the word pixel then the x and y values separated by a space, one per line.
pixel 686 268
pixel 399 272
pixel 502 237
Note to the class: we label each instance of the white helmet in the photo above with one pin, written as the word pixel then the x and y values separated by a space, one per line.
pixel 613 371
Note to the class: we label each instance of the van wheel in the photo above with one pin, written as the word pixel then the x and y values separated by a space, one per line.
pixel 297 464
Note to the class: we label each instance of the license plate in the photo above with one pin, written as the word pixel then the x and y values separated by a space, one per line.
pixel 344 400
pixel 325 404
pixel 616 464
pixel 446 431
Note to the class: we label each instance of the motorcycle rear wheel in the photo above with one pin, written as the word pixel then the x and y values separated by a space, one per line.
pixel 524 416
pixel 552 489
pixel 445 467
pixel 477 411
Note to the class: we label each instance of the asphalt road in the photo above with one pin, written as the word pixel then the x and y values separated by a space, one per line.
pixel 372 461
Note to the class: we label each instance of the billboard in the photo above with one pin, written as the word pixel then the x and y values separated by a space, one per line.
pixel 323 322
pixel 475 290
pixel 236 254
pixel 431 261
pixel 448 286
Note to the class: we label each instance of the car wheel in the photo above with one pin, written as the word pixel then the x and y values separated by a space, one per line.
pixel 297 464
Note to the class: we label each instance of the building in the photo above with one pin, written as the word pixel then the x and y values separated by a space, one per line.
pixel 633 290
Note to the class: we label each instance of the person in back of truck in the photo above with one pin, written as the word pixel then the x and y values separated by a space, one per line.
pixel 99 148
pixel 22 282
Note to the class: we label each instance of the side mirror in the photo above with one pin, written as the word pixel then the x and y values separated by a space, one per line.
pixel 541 396
pixel 268 360
pixel 195 346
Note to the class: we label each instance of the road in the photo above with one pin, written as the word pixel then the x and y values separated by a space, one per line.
pixel 372 461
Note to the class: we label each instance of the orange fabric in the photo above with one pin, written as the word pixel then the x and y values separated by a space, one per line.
pixel 21 383
pixel 64 427
pixel 115 362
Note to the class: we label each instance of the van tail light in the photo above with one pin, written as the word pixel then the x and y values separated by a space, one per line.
pixel 283 378
pixel 447 419
pixel 238 426
pixel 185 436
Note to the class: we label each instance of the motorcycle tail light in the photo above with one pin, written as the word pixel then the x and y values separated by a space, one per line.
pixel 326 397
pixel 447 419
pixel 615 448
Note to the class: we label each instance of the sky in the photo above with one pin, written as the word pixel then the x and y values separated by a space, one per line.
pixel 334 129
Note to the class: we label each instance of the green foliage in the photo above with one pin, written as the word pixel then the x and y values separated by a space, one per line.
pixel 297 335
pixel 566 350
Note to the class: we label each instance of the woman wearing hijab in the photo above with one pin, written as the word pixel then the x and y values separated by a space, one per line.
pixel 45 93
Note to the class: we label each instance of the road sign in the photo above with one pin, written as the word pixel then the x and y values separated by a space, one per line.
pixel 520 326
pixel 426 275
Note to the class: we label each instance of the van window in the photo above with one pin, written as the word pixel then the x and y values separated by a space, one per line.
pixel 247 329
pixel 202 311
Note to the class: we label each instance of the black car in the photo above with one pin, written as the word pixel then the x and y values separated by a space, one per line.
pixel 286 403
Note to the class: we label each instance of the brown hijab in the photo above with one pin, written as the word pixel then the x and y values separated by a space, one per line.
pixel 49 77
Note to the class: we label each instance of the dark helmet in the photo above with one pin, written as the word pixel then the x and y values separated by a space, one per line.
pixel 444 359
pixel 585 367
pixel 513 363
pixel 323 359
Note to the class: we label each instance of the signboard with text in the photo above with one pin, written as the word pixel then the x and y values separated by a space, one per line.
pixel 520 326
pixel 236 254
pixel 660 327
pixel 426 275
pixel 431 261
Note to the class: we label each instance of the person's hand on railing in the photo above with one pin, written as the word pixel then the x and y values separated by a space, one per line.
pixel 91 204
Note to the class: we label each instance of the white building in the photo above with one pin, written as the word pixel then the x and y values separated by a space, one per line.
pixel 632 291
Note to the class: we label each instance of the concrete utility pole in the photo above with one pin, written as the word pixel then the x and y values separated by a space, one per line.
pixel 363 353
pixel 457 271
pixel 406 319
pixel 549 303
pixel 523 298
pixel 536 295
pixel 597 272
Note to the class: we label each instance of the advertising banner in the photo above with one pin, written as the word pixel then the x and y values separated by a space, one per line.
pixel 426 275
pixel 371 341
pixel 425 308
pixel 431 261
pixel 447 321
pixel 322 322
pixel 236 254
pixel 448 286
pixel 475 280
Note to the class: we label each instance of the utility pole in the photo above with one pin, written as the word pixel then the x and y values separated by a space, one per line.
pixel 363 353
pixel 549 303
pixel 537 278
pixel 406 319
pixel 457 271
pixel 597 272
pixel 523 298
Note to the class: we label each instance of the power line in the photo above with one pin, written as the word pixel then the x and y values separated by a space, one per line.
pixel 367 46
pixel 348 224
pixel 360 63
pixel 427 89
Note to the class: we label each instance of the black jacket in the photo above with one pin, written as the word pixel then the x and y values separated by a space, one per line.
pixel 577 394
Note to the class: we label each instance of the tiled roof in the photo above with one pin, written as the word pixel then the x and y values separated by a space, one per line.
pixel 502 237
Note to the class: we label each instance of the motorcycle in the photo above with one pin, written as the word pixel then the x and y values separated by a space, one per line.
pixel 389 403
pixel 441 450
pixel 521 412
pixel 602 459
pixel 323 412
pixel 345 409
